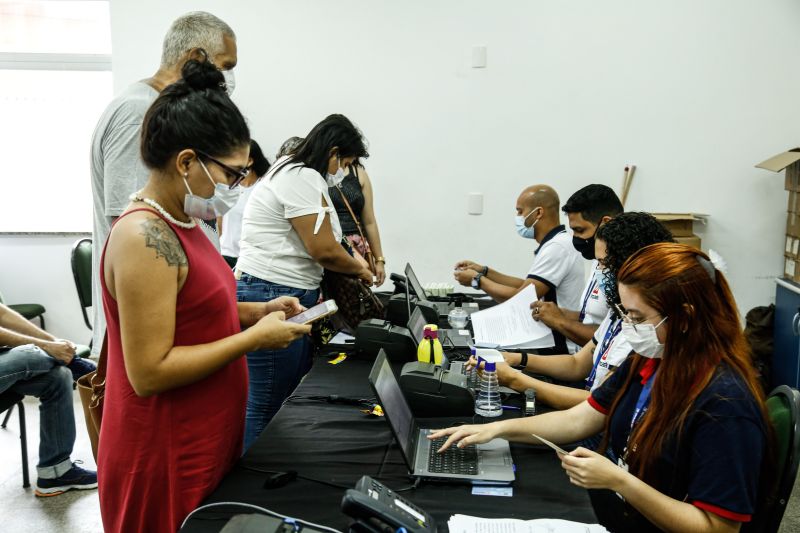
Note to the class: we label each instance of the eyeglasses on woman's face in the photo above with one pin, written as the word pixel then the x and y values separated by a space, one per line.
pixel 235 174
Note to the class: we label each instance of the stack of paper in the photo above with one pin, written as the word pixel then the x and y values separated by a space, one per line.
pixel 460 523
pixel 509 325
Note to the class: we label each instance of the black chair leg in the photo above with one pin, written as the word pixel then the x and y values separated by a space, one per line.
pixel 23 438
pixel 8 415
pixel 41 321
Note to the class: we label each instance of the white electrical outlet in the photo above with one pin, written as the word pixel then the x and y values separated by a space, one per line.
pixel 475 203
pixel 479 56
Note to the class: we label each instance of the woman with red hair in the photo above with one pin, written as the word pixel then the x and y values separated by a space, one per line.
pixel 686 436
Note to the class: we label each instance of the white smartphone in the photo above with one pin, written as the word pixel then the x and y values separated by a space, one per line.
pixel 326 308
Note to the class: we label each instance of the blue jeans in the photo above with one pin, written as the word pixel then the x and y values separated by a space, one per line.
pixel 29 370
pixel 274 374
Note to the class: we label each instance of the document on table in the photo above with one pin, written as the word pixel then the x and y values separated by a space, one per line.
pixel 510 325
pixel 460 523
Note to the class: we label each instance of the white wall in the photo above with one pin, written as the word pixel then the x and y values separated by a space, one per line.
pixel 36 269
pixel 694 93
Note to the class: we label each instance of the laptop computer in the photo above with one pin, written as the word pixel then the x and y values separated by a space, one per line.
pixel 413 284
pixel 484 464
pixel 448 337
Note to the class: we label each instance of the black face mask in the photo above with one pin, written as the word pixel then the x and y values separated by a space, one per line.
pixel 584 246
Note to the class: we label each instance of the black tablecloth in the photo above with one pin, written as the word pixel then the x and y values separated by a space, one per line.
pixel 338 444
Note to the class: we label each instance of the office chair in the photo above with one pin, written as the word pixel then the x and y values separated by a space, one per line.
pixel 783 407
pixel 81 259
pixel 8 400
pixel 29 311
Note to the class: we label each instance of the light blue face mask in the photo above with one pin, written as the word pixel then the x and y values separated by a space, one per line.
pixel 524 231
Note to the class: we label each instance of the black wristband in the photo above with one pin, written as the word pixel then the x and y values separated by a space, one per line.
pixel 523 362
pixel 485 270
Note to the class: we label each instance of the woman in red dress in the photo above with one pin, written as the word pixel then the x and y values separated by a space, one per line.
pixel 176 385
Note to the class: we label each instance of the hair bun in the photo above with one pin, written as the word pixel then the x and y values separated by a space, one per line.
pixel 200 75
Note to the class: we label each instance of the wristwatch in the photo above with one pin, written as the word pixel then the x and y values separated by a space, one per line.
pixel 476 281
pixel 530 402
pixel 523 362
pixel 485 271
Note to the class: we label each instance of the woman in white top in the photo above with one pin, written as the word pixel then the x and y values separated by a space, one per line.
pixel 290 232
pixel 230 225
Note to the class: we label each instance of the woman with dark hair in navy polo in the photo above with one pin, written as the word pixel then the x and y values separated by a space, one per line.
pixel 687 443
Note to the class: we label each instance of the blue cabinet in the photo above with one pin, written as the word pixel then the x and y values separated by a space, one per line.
pixel 786 356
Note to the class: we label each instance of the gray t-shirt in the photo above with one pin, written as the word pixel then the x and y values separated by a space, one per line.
pixel 117 172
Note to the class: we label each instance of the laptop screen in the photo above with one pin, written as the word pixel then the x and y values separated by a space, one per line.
pixel 416 325
pixel 416 286
pixel 395 406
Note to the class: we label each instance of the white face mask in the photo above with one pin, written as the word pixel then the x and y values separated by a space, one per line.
pixel 220 202
pixel 523 230
pixel 230 81
pixel 335 179
pixel 644 339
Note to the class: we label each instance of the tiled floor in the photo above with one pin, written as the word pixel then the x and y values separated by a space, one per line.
pixel 78 511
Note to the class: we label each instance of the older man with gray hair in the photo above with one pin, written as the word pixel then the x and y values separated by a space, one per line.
pixel 117 166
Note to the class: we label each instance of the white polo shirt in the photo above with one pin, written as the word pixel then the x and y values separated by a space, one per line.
pixel 610 351
pixel 559 266
pixel 594 306
pixel 270 248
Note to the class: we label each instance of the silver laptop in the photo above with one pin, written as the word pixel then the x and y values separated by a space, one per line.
pixel 484 464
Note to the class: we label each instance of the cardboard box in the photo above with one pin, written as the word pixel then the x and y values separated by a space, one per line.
pixel 791 268
pixel 680 224
pixel 792 248
pixel 694 240
pixel 787 160
pixel 793 224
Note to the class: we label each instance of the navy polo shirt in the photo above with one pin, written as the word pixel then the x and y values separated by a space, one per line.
pixel 716 463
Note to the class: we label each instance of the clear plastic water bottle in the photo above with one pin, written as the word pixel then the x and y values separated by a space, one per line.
pixel 472 374
pixel 487 402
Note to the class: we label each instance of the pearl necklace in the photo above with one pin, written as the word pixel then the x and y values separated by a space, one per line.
pixel 155 205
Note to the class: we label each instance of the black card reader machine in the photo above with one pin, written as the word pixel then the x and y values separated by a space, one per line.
pixel 378 509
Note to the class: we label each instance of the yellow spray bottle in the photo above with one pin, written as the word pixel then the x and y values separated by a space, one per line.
pixel 430 349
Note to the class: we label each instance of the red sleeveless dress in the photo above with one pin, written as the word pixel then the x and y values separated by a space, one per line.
pixel 159 457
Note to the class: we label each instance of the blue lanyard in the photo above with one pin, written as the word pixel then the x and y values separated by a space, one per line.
pixel 642 403
pixel 611 333
pixel 582 314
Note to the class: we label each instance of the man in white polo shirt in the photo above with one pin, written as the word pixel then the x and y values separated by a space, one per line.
pixel 557 271
pixel 587 210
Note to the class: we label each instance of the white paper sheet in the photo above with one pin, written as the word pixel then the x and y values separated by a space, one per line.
pixel 342 338
pixel 510 325
pixel 460 523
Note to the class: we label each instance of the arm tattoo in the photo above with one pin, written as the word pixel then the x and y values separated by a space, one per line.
pixel 160 237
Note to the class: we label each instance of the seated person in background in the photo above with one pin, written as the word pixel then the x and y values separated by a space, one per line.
pixel 230 224
pixel 34 363
pixel 685 420
pixel 557 269
pixel 615 242
pixel 587 209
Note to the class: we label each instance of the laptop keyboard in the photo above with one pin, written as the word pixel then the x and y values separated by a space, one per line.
pixel 454 460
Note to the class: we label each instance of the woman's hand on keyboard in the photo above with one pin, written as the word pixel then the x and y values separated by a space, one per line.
pixel 465 435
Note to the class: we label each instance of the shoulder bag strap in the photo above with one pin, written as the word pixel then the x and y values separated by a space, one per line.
pixel 370 259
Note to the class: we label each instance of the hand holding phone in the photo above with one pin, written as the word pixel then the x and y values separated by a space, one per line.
pixel 317 312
